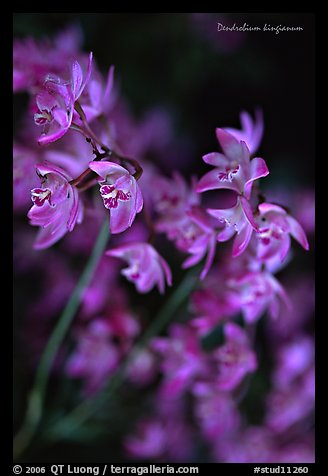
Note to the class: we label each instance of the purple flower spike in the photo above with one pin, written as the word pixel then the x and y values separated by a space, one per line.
pixel 146 267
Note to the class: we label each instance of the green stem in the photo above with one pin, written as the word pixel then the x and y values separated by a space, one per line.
pixel 87 408
pixel 37 396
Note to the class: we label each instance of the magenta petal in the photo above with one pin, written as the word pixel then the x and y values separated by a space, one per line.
pixel 167 271
pixel 139 199
pixel 226 234
pixel 230 145
pixel 75 209
pixel 46 238
pixel 122 217
pixel 192 260
pixel 258 169
pixel 248 212
pixel 210 257
pixel 241 241
pixel 78 84
pixel 216 159
pixel 266 207
pixel 105 168
pixel 210 181
pixel 297 232
pixel 284 247
pixel 199 217
pixel 62 118
pixel 47 168
pixel 77 78
pixel 55 135
pixel 42 216
pixel 109 85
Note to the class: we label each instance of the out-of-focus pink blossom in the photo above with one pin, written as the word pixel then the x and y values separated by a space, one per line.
pixel 183 359
pixel 100 348
pixel 161 439
pixel 275 226
pixel 55 102
pixel 173 197
pixel 148 442
pixel 215 411
pixel 146 267
pixel 33 60
pixel 292 360
pixel 57 207
pixel 251 445
pixel 202 240
pixel 71 153
pixel 292 404
pixel 251 131
pixel 96 297
pixel 163 436
pixel 193 233
pixel 301 292
pixel 213 303
pixel 24 176
pixel 120 193
pixel 184 221
pixel 233 169
pixel 235 358
pixel 300 451
pixel 96 356
pixel 256 291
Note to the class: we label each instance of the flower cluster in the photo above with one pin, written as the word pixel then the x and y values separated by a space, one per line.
pixel 92 163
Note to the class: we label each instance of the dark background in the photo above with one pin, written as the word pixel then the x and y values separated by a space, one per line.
pixel 170 60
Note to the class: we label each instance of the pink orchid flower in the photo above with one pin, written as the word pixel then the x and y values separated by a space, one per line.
pixel 202 240
pixel 146 267
pixel 55 103
pixel 255 291
pixel 120 193
pixel 95 357
pixel 57 207
pixel 238 220
pixel 183 359
pixel 235 358
pixel 273 236
pixel 233 169
pixel 251 131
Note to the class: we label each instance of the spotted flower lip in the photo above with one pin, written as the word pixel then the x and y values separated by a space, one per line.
pixel 54 107
pixel 233 168
pixel 146 267
pixel 120 193
pixel 56 205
